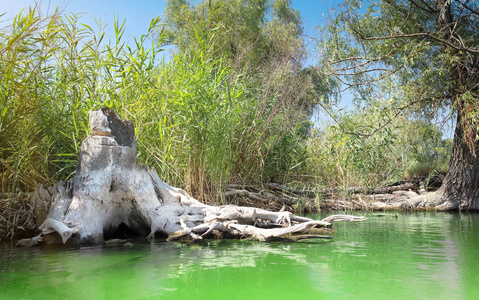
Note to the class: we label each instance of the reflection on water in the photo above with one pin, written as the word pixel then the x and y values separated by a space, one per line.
pixel 416 256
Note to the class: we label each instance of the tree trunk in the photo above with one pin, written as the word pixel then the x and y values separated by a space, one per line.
pixel 460 188
pixel 461 184
pixel 111 190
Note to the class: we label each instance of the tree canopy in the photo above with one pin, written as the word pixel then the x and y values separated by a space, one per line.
pixel 256 37
pixel 249 33
pixel 418 56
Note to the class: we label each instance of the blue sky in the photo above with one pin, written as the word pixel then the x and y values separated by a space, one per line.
pixel 139 13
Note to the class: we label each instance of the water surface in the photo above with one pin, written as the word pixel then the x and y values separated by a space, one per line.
pixel 413 256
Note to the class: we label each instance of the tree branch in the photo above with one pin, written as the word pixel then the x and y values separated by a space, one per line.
pixel 469 8
pixel 370 60
pixel 429 9
pixel 372 80
pixel 426 34
pixel 359 72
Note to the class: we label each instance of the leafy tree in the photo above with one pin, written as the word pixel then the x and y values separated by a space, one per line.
pixel 423 56
pixel 249 33
pixel 354 151
pixel 255 37
pixel 198 122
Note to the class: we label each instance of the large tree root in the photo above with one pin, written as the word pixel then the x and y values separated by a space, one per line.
pixel 439 200
pixel 111 189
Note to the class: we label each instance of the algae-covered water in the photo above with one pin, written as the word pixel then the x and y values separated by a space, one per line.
pixel 413 256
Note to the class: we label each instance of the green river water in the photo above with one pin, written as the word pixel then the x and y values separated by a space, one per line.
pixel 413 256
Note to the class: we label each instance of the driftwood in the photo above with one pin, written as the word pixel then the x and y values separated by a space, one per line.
pixel 51 225
pixel 111 190
pixel 390 197
pixel 16 216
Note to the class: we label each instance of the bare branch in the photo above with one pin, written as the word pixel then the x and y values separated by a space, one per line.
pixel 423 34
pixel 469 8
pixel 428 8
pixel 369 60
pixel 399 111
pixel 407 17
pixel 376 79
pixel 359 72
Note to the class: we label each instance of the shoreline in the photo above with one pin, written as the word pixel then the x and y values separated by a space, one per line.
pixel 17 218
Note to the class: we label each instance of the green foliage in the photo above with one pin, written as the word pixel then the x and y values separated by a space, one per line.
pixel 253 37
pixel 428 152
pixel 201 119
pixel 357 152
pixel 248 34
pixel 213 126
pixel 198 123
pixel 422 55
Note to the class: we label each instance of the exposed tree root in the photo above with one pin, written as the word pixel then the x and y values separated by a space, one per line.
pixel 290 232
pixel 437 201
pixel 274 196
pixel 111 189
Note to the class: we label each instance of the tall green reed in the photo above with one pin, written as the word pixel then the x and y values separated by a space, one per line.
pixel 53 71
pixel 199 123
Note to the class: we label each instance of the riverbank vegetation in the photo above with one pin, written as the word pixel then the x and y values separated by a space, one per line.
pixel 232 104
pixel 199 122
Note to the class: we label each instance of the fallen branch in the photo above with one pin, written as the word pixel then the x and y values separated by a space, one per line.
pixel 51 225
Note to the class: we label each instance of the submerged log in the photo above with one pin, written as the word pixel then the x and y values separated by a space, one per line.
pixel 111 189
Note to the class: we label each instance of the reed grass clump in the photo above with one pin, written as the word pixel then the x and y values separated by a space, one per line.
pixel 198 122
